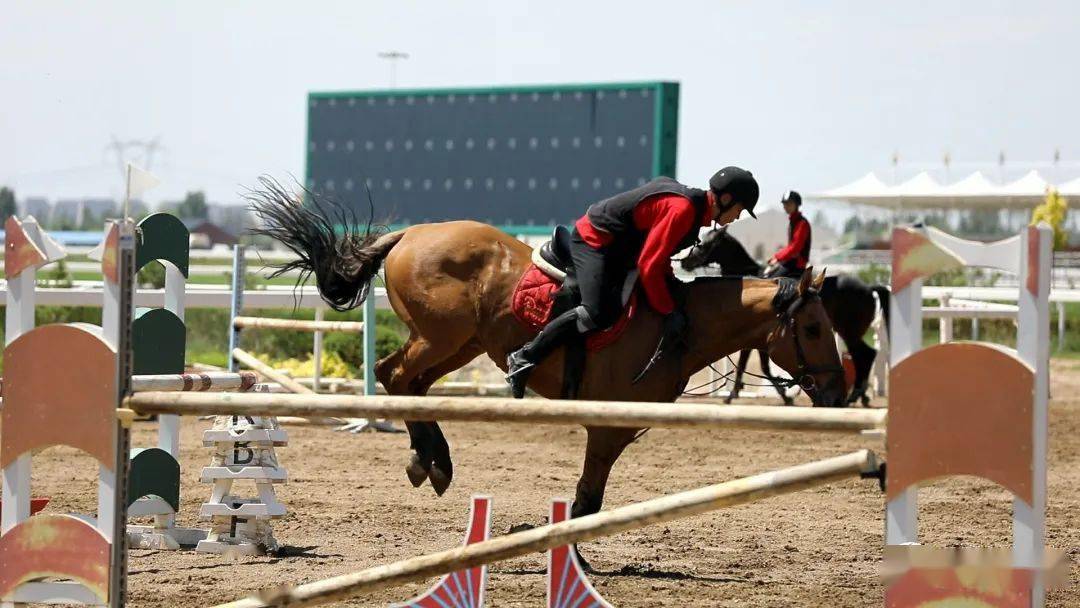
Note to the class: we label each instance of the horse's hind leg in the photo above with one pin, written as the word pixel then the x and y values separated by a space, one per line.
pixel 862 355
pixel 402 374
pixel 441 471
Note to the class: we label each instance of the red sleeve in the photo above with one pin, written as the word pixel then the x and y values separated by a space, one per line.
pixel 592 235
pixel 667 219
pixel 798 240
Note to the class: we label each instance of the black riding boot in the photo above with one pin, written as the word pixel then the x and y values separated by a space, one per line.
pixel 520 363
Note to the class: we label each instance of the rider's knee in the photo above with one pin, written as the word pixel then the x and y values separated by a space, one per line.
pixel 590 318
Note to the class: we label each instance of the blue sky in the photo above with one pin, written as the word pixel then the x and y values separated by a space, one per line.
pixel 807 95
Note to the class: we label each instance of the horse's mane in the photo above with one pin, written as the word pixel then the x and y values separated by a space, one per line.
pixel 786 293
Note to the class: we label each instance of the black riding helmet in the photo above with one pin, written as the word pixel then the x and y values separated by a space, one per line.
pixel 739 183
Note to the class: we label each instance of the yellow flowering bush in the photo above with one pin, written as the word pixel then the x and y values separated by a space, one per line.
pixel 332 366
pixel 1053 211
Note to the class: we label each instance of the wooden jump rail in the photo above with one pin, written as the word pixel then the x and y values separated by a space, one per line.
pixel 263 369
pixel 197 382
pixel 589 413
pixel 298 324
pixel 605 523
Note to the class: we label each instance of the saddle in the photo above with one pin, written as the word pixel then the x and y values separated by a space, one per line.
pixel 554 260
pixel 548 288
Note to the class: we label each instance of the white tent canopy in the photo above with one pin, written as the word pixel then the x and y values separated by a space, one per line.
pixel 924 192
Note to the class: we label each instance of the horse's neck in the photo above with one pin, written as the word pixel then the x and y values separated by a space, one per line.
pixel 728 315
pixel 734 259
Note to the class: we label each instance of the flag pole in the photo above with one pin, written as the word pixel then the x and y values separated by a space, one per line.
pixel 127 192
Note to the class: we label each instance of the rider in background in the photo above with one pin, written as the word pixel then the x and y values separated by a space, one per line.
pixel 792 259
pixel 642 229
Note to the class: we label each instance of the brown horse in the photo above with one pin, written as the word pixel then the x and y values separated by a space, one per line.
pixel 451 283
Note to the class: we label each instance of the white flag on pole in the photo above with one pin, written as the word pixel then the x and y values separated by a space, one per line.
pixel 139 181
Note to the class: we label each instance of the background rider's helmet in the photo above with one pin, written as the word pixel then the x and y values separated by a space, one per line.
pixel 739 183
pixel 792 196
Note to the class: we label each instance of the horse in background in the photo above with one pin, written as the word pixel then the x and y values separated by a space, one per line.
pixel 848 301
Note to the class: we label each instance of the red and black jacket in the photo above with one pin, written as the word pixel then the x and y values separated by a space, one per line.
pixel 797 251
pixel 615 216
pixel 644 228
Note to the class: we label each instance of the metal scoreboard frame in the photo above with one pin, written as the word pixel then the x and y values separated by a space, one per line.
pixel 479 162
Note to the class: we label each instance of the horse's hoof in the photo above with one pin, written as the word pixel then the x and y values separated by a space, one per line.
pixel 440 481
pixel 417 472
pixel 789 401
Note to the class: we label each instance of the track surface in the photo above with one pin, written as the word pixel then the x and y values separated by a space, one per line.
pixel 351 507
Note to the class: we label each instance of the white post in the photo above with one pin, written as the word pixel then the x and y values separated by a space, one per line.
pixel 169 424
pixel 1033 346
pixel 901 513
pixel 317 350
pixel 975 329
pixel 945 323
pixel 238 272
pixel 369 342
pixel 1061 325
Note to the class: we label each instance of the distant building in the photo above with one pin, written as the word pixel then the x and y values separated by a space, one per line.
pixel 206 234
pixel 99 207
pixel 36 206
pixel 235 219
pixel 66 211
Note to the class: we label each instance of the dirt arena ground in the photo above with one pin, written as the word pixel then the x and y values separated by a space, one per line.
pixel 351 507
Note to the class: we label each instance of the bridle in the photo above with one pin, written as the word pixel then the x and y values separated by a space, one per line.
pixel 804 375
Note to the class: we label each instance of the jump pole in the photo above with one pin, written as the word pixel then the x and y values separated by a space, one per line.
pixel 500 409
pixel 263 369
pixel 298 324
pixel 605 523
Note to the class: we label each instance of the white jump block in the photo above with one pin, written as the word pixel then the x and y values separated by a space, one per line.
pixel 258 473
pixel 240 537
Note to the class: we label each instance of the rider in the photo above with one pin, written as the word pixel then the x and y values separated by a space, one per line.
pixel 640 228
pixel 792 259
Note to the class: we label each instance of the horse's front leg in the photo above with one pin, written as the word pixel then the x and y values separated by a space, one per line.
pixel 602 449
pixel 737 384
pixel 766 370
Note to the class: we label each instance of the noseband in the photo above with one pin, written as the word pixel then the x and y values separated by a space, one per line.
pixel 786 316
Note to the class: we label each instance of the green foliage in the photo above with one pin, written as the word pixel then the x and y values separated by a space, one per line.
pixel 963 277
pixel 193 206
pixel 1053 212
pixel 875 274
pixel 152 276
pixel 7 203
pixel 57 276
pixel 983 224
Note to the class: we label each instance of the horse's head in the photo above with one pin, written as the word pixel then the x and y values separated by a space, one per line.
pixel 701 253
pixel 802 342
pixel 719 247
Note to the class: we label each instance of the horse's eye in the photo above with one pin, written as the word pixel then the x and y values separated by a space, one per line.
pixel 813 331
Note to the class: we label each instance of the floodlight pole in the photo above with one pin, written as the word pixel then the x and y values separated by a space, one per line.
pixel 393 57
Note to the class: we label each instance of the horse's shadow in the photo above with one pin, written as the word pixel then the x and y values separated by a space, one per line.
pixel 284 552
pixel 635 571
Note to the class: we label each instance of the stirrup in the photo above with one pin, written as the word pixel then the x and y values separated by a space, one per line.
pixel 518 369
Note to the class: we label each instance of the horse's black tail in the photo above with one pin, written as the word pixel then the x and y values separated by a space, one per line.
pixel 883 294
pixel 327 239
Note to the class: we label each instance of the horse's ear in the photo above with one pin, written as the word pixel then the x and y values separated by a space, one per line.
pixel 806 279
pixel 820 280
